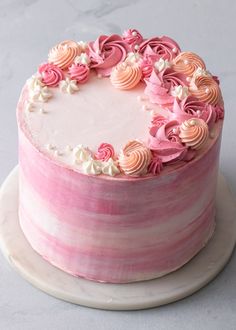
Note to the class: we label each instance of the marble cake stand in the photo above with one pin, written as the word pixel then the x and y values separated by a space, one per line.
pixel 179 284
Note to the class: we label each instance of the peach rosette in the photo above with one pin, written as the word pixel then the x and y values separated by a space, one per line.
pixel 64 53
pixel 206 89
pixel 135 158
pixel 126 75
pixel 194 133
pixel 187 63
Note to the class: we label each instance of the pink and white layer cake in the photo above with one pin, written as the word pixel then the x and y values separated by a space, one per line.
pixel 119 142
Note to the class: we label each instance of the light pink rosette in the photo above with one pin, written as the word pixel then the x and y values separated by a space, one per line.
pixel 105 152
pixel 167 144
pixel 132 37
pixel 164 46
pixel 64 53
pixel 191 107
pixel 160 85
pixel 135 158
pixel 79 72
pixel 146 64
pixel 157 122
pixel 156 165
pixel 51 74
pixel 106 52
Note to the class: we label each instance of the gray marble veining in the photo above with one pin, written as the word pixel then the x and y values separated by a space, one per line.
pixel 28 28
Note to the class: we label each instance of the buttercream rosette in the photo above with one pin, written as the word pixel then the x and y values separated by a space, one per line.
pixel 187 63
pixel 64 53
pixel 194 133
pixel 51 74
pixel 163 46
pixel 160 85
pixel 206 89
pixel 166 143
pixel 79 72
pixel 106 52
pixel 105 152
pixel 126 75
pixel 191 107
pixel 134 158
pixel 133 38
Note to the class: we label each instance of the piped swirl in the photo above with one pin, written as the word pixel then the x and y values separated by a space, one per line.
pixel 135 158
pixel 126 75
pixel 64 53
pixel 187 63
pixel 206 89
pixel 194 133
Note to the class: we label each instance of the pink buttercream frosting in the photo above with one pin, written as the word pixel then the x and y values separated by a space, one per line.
pixel 105 152
pixel 79 72
pixel 191 107
pixel 160 85
pixel 155 165
pixel 163 46
pixel 51 74
pixel 133 37
pixel 106 52
pixel 166 143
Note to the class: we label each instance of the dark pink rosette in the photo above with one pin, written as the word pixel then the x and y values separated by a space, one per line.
pixel 164 46
pixel 191 107
pixel 219 110
pixel 106 52
pixel 160 85
pixel 156 165
pixel 51 74
pixel 79 72
pixel 146 64
pixel 105 152
pixel 157 122
pixel 167 144
pixel 132 37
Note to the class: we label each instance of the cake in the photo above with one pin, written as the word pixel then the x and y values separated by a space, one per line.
pixel 119 142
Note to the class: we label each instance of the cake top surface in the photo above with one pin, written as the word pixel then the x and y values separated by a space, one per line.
pixel 121 105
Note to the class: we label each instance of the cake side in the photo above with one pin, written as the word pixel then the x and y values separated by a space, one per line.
pixel 112 230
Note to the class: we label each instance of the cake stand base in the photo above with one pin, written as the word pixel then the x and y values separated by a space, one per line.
pixel 174 286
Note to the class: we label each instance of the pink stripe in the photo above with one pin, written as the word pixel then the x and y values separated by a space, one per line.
pixel 176 251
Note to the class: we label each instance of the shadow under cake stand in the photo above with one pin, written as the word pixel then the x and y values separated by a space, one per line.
pixel 139 295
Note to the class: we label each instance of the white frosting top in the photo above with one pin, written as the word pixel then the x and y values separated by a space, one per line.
pixel 94 114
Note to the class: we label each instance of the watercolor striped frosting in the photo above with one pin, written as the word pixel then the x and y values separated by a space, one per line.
pixel 119 143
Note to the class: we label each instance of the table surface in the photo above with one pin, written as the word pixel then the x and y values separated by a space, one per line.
pixel 28 28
